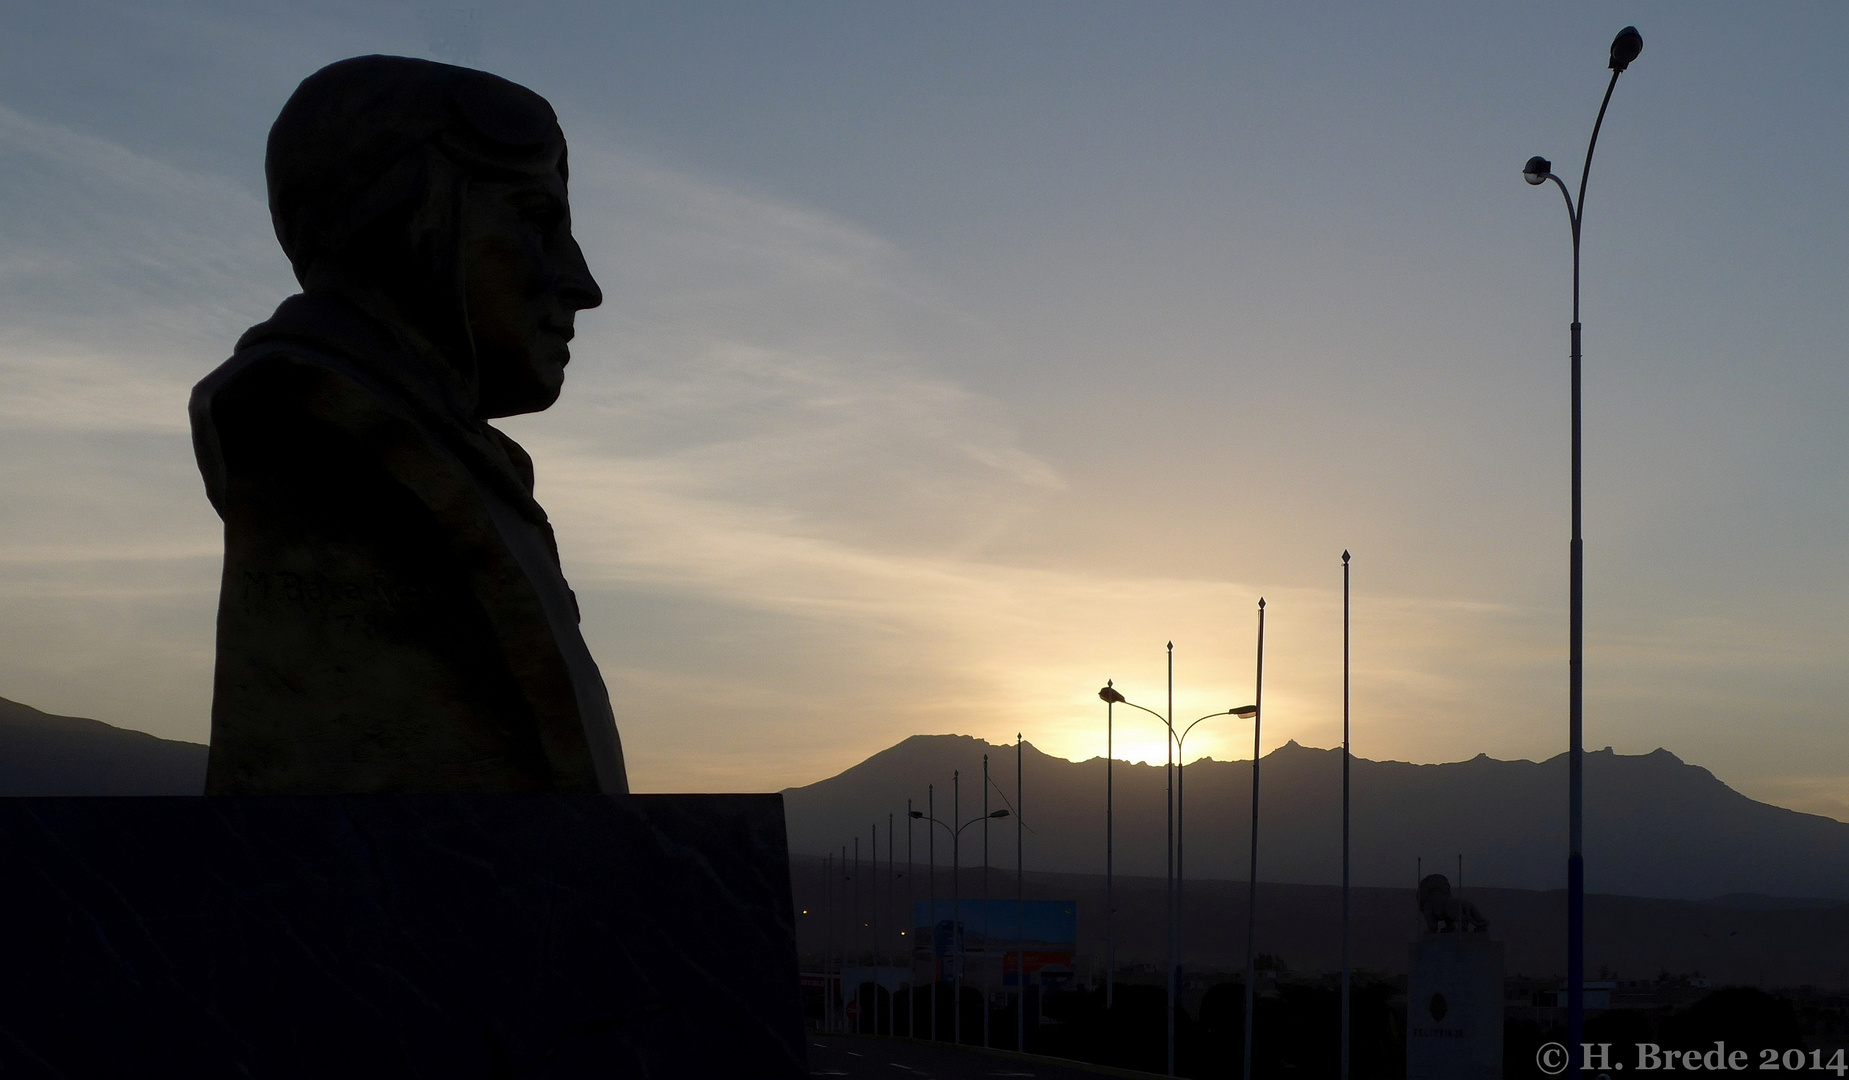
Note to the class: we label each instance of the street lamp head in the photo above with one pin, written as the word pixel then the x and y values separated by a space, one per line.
pixel 1110 694
pixel 1537 170
pixel 1625 47
pixel 999 813
pixel 918 813
pixel 1246 711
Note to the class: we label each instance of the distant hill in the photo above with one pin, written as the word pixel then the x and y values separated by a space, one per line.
pixel 42 754
pixel 1655 826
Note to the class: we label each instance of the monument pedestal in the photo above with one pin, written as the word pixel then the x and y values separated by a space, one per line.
pixel 1454 1008
pixel 398 936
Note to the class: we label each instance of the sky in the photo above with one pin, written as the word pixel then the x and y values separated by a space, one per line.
pixel 957 357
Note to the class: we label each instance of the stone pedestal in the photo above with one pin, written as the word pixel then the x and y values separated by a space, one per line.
pixel 1454 1008
pixel 397 936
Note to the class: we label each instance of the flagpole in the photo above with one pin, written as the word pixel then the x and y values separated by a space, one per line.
pixel 1345 987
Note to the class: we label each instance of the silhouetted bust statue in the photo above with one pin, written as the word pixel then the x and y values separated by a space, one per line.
pixel 392 615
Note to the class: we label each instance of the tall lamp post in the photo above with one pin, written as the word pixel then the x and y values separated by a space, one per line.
pixel 1020 907
pixel 987 910
pixel 850 934
pixel 892 961
pixel 855 923
pixel 956 905
pixel 1181 816
pixel 1345 994
pixel 911 898
pixel 1111 698
pixel 874 921
pixel 1624 49
pixel 831 1001
pixel 937 976
pixel 1258 719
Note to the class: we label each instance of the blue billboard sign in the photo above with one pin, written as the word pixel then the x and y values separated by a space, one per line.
pixel 1039 935
pixel 1043 923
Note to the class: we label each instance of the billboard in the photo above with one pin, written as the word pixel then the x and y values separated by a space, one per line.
pixel 1039 935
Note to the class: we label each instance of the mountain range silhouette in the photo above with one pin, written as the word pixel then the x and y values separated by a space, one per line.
pixel 1655 826
pixel 43 754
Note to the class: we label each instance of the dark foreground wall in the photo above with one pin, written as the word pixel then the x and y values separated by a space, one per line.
pixel 397 936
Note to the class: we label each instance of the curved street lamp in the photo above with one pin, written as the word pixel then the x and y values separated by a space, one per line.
pixel 1245 712
pixel 1624 49
pixel 1176 741
pixel 1110 697
pixel 1258 720
pixel 956 907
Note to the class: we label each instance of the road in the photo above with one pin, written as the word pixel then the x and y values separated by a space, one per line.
pixel 895 1059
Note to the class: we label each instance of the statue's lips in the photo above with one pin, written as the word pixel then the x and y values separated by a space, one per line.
pixel 563 334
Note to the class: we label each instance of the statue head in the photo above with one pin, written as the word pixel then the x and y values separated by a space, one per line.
pixel 435 198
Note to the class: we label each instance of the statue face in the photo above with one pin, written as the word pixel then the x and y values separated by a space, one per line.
pixel 525 280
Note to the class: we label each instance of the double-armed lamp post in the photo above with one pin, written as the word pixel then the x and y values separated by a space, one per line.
pixel 956 909
pixel 1112 697
pixel 1624 49
pixel 1244 712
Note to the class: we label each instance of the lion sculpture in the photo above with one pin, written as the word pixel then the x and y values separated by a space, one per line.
pixel 1445 913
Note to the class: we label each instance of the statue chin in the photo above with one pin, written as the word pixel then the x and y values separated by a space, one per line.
pixel 536 389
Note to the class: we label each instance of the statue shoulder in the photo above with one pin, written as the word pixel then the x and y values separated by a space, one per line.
pixel 284 376
pixel 284 407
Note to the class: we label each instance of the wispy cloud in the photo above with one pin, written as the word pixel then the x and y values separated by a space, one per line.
pixel 122 280
pixel 758 434
pixel 53 385
pixel 109 247
pixel 787 517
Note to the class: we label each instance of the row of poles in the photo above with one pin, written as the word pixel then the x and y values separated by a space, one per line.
pixel 1625 48
pixel 852 907
pixel 1175 771
pixel 1175 774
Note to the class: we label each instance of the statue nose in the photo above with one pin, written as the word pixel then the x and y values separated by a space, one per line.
pixel 576 285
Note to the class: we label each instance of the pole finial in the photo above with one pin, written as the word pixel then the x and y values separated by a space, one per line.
pixel 1261 601
pixel 1344 554
pixel 1171 646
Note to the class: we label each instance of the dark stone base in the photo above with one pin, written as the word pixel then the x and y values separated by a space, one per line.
pixel 407 936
